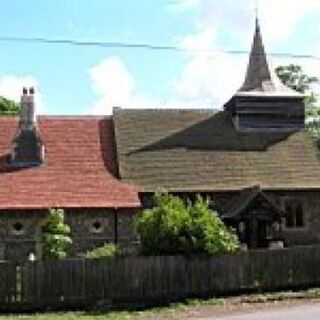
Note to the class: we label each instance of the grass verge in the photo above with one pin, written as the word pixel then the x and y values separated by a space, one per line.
pixel 175 308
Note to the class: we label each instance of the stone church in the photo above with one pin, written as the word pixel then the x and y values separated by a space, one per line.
pixel 254 160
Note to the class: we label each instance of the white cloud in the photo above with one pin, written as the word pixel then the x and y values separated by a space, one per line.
pixel 115 87
pixel 11 87
pixel 312 68
pixel 278 18
pixel 112 79
pixel 210 77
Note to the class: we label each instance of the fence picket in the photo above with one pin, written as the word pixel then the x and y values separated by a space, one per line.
pixel 141 279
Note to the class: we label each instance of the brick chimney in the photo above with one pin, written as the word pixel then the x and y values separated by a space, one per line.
pixel 27 149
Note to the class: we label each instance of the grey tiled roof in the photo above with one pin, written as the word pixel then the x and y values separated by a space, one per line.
pixel 188 150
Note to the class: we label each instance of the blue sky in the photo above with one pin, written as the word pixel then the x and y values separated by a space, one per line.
pixel 87 80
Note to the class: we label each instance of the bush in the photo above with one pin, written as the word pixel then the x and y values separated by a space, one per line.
pixel 107 250
pixel 176 227
pixel 55 236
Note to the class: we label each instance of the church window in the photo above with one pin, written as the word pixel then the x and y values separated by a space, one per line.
pixel 18 228
pixel 295 216
pixel 97 227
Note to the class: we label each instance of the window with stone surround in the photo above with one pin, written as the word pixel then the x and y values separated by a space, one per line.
pixel 97 226
pixel 295 217
pixel 17 228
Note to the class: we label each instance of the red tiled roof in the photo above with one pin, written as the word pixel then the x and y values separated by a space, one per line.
pixel 79 168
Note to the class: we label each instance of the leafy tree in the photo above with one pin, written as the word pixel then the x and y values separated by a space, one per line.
pixel 294 77
pixel 314 131
pixel 176 227
pixel 55 236
pixel 9 107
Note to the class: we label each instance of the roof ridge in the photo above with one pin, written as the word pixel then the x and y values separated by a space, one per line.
pixel 74 116
pixel 169 109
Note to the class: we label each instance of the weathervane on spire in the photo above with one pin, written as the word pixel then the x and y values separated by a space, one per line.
pixel 256 9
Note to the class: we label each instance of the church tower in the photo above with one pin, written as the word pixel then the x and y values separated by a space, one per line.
pixel 263 103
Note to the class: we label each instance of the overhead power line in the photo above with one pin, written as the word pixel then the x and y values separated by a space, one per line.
pixel 145 46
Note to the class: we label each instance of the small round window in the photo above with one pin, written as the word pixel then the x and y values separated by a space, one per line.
pixel 18 227
pixel 97 227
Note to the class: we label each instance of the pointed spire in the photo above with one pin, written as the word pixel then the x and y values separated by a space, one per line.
pixel 260 78
pixel 258 68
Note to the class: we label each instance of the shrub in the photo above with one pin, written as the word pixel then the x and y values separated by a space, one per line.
pixel 176 227
pixel 107 250
pixel 55 236
pixel 211 234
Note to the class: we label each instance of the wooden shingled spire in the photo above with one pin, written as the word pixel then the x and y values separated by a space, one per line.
pixel 260 77
pixel 263 103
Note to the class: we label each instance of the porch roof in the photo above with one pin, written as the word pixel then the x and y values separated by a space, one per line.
pixel 241 202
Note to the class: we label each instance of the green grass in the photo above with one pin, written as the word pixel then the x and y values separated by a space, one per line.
pixel 172 308
pixel 71 316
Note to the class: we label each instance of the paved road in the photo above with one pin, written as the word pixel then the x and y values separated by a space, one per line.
pixel 301 312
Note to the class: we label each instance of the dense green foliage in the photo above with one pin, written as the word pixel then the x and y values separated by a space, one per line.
pixel 106 251
pixel 8 107
pixel 55 236
pixel 294 77
pixel 175 227
pixel 314 131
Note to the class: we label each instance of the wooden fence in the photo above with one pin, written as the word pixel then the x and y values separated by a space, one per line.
pixel 77 283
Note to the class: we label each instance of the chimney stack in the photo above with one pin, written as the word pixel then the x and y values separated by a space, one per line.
pixel 27 149
pixel 28 115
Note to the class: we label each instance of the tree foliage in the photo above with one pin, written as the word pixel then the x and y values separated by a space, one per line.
pixel 108 250
pixel 294 77
pixel 9 107
pixel 55 236
pixel 175 227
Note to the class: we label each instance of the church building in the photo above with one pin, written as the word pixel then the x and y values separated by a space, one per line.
pixel 254 159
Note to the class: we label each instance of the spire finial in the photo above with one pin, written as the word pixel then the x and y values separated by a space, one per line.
pixel 260 77
pixel 256 10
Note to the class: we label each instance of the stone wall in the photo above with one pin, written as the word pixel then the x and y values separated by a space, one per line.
pixel 20 231
pixel 90 228
pixel 310 202
pixel 127 235
pixel 19 234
